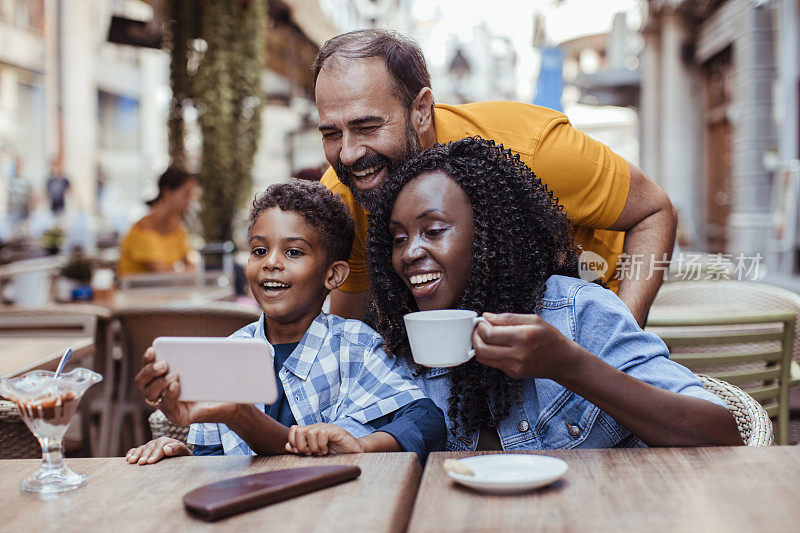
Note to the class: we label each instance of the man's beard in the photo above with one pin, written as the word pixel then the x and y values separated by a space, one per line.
pixel 370 198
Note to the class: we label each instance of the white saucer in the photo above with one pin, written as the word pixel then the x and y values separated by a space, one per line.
pixel 509 473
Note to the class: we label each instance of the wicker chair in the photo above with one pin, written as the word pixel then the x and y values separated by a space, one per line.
pixel 138 329
pixel 753 421
pixel 752 351
pixel 161 426
pixel 756 296
pixel 16 440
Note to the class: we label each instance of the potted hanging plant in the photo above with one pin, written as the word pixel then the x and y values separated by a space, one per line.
pixel 75 280
pixel 51 240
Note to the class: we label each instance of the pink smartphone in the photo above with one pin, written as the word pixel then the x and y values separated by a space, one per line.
pixel 220 369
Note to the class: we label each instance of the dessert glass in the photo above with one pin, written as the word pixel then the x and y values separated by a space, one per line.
pixel 47 406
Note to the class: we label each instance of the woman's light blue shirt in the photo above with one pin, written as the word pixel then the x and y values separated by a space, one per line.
pixel 549 416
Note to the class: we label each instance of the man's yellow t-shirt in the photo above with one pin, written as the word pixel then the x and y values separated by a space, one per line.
pixel 589 180
pixel 142 246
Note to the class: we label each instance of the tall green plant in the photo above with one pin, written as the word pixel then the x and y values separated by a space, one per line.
pixel 183 22
pixel 227 92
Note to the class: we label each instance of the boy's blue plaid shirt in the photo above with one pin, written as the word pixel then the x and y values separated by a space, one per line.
pixel 339 374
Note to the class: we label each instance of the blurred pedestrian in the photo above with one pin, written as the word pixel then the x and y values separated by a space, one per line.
pixel 57 187
pixel 19 194
pixel 159 242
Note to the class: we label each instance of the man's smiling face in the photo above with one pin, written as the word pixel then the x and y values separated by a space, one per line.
pixel 366 129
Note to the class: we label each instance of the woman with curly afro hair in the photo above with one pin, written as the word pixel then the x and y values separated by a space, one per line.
pixel 561 362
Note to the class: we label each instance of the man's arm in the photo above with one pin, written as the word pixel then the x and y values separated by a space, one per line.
pixel 349 304
pixel 649 221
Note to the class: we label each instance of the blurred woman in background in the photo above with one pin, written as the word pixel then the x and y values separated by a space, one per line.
pixel 159 242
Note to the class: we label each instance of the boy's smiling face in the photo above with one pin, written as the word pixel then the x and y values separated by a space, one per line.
pixel 288 271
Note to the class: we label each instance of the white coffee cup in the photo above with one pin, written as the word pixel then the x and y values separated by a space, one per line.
pixel 443 337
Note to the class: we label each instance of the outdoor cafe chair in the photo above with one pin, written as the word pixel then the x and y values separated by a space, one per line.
pixel 138 327
pixel 216 268
pixel 752 295
pixel 752 351
pixel 160 280
pixel 728 294
pixel 16 440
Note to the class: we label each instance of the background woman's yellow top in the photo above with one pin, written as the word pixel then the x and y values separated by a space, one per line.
pixel 143 246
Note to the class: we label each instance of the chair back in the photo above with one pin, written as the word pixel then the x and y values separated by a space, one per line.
pixel 66 321
pixel 200 278
pixel 140 326
pixel 752 351
pixel 159 280
pixel 752 420
pixel 755 296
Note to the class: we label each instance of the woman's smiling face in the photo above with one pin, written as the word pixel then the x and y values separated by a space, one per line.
pixel 432 229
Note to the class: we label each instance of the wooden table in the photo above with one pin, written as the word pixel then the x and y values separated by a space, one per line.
pixel 21 354
pixel 668 489
pixel 120 497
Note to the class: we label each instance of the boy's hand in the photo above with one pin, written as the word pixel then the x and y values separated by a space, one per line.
pixel 155 450
pixel 322 439
pixel 185 413
pixel 154 378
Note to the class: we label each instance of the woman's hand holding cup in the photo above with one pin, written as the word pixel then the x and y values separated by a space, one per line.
pixel 522 346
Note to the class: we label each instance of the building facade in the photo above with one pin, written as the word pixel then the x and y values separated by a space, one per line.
pixel 73 99
pixel 719 112
pixel 98 109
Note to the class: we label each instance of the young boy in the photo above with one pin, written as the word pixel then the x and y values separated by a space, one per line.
pixel 338 391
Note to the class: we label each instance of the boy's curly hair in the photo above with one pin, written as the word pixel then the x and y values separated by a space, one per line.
pixel 522 237
pixel 318 206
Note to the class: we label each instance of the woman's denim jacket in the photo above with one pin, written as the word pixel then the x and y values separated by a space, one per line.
pixel 550 416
